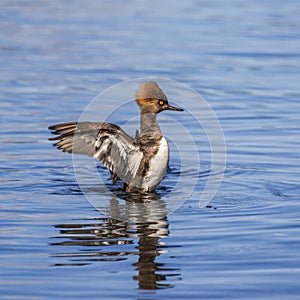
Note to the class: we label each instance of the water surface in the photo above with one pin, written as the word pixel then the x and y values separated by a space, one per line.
pixel 243 58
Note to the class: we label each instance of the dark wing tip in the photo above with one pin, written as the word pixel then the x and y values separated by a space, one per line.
pixel 52 127
pixel 62 130
pixel 62 126
pixel 75 137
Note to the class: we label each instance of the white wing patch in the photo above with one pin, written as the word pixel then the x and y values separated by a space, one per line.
pixel 135 161
pixel 118 154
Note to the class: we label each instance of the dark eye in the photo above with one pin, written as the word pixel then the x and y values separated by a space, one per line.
pixel 161 102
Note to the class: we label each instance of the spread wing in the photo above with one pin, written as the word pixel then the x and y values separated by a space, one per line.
pixel 107 142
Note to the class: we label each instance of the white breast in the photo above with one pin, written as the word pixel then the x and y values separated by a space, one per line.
pixel 158 166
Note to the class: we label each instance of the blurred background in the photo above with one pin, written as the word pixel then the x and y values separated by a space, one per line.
pixel 243 57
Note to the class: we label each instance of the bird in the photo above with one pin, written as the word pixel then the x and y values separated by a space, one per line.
pixel 140 162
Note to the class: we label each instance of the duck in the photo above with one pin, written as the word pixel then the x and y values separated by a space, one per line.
pixel 141 161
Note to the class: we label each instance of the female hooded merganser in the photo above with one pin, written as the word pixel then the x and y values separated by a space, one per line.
pixel 140 162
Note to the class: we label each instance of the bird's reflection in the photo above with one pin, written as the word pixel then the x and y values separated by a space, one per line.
pixel 140 234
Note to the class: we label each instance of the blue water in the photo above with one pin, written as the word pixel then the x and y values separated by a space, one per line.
pixel 243 57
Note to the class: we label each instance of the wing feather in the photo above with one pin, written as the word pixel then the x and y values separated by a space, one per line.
pixel 107 142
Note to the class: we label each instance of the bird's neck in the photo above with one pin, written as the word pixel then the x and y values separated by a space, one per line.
pixel 149 125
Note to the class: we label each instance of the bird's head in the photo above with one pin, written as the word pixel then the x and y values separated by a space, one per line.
pixel 151 99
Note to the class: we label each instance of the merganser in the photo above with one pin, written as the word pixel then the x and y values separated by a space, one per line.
pixel 140 162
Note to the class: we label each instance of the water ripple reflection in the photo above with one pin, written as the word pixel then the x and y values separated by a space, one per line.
pixel 109 240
